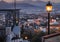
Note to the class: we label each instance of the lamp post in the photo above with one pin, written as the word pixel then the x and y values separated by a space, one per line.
pixel 49 9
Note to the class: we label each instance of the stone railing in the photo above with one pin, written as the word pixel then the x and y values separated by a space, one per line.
pixel 51 38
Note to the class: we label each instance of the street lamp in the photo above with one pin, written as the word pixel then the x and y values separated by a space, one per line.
pixel 49 9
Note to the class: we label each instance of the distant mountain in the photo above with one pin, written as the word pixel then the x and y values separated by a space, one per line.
pixel 4 5
pixel 29 6
pixel 18 5
pixel 25 5
pixel 56 6
pixel 35 3
pixel 38 4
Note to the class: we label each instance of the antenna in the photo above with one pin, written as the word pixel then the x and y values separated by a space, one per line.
pixel 14 12
pixel 14 4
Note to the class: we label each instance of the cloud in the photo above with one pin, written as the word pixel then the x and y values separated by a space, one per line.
pixel 56 1
pixel 12 0
pixel 34 0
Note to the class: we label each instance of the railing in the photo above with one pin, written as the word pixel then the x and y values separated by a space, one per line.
pixel 51 38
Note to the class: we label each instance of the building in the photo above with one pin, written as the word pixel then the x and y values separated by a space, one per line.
pixel 9 17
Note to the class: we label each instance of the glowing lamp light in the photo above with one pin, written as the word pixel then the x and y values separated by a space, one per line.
pixel 16 20
pixel 49 7
pixel 26 37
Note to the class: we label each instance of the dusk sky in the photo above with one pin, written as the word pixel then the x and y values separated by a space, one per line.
pixel 56 1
